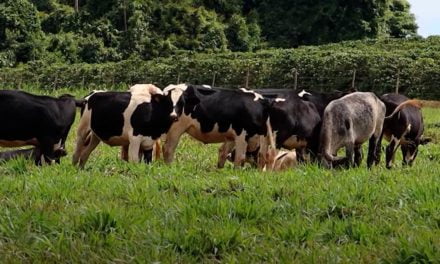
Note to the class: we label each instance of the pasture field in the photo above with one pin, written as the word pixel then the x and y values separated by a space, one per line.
pixel 115 212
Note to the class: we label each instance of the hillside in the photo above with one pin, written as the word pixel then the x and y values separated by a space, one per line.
pixel 113 30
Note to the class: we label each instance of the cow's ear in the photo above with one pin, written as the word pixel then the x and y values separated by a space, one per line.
pixel 425 141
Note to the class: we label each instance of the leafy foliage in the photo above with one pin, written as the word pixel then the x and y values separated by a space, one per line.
pixel 120 29
pixel 378 65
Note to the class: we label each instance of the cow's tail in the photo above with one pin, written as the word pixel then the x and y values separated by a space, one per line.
pixel 413 102
pixel 325 141
pixel 270 134
pixel 270 155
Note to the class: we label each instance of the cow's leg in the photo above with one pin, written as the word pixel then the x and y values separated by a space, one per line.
pixel 350 154
pixel 157 149
pixel 373 144
pixel 223 152
pixel 124 153
pixel 133 149
pixel 171 142
pixel 148 155
pixel 82 141
pixel 391 151
pixel 93 143
pixel 378 150
pixel 240 149
pixel 301 155
pixel 357 155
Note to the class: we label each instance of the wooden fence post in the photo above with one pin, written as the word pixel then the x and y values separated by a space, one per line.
pixel 353 81
pixel 295 78
pixel 398 81
pixel 213 79
pixel 247 77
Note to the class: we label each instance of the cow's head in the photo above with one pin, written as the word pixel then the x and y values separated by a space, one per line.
pixel 174 93
pixel 411 149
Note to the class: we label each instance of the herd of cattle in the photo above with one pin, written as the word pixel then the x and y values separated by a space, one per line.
pixel 252 125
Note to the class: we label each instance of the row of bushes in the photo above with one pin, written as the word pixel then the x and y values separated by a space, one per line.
pixel 378 66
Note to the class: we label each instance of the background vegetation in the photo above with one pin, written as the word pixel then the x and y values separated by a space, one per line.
pixel 378 65
pixel 191 212
pixel 113 30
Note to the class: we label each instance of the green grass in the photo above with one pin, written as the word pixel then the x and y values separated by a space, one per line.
pixel 190 211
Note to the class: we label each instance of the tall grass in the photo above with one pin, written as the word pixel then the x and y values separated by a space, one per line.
pixel 190 211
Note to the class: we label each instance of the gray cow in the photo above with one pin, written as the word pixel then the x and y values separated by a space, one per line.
pixel 349 122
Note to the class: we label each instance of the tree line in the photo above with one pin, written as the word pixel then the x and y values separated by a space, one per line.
pixel 95 31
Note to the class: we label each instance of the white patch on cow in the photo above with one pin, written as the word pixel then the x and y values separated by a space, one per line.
pixel 303 92
pixel 257 95
pixel 207 86
pixel 145 89
pixel 280 100
pixel 94 92
pixel 57 146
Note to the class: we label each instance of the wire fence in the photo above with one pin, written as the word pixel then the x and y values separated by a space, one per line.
pixel 341 80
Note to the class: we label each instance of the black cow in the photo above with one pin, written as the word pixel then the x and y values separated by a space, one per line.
pixel 215 115
pixel 134 120
pixel 404 128
pixel 42 121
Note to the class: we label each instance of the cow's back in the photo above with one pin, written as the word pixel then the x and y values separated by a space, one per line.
pixel 229 108
pixel 359 114
pixel 25 116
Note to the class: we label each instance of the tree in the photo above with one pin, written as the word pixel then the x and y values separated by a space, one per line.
pixel 20 30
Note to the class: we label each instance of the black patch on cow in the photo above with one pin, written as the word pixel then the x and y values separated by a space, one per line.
pixel 107 113
pixel 152 119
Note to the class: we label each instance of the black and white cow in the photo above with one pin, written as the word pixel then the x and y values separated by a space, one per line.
pixel 134 120
pixel 296 119
pixel 42 121
pixel 349 122
pixel 214 115
pixel 405 128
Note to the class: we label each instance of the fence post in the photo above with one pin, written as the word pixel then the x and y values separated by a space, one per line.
pixel 247 77
pixel 295 78
pixel 398 81
pixel 353 81
pixel 213 79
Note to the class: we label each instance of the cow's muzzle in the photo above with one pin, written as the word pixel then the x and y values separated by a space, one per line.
pixel 174 117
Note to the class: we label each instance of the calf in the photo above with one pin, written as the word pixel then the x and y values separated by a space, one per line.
pixel 404 127
pixel 41 121
pixel 349 122
pixel 134 120
pixel 215 115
